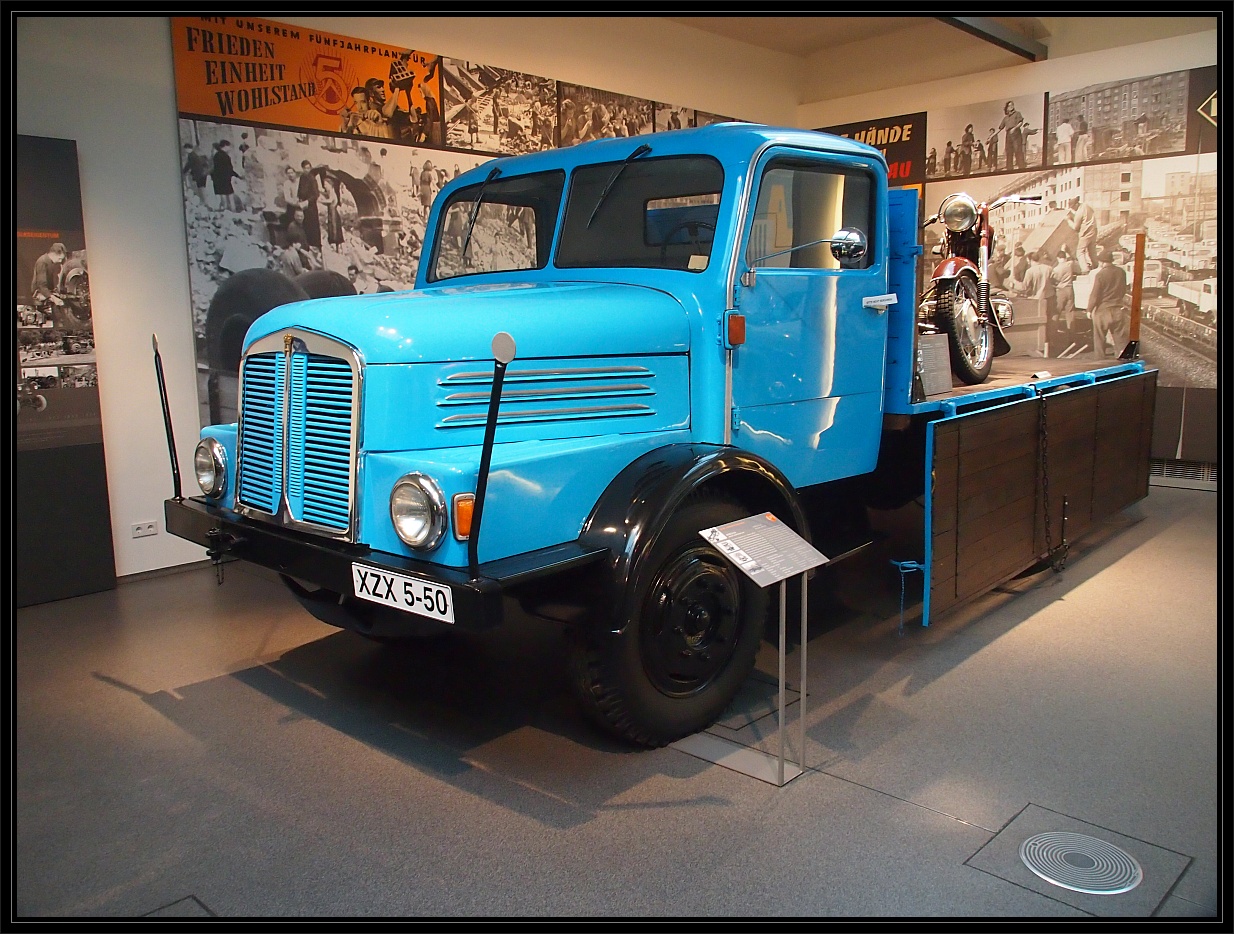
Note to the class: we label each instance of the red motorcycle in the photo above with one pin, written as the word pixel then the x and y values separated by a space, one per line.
pixel 958 302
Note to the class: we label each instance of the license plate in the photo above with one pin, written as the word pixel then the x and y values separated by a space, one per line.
pixel 409 594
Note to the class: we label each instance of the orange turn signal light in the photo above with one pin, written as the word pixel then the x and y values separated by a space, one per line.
pixel 464 505
pixel 736 330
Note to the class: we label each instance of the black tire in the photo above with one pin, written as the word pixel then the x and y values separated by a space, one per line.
pixel 971 337
pixel 683 658
pixel 240 300
pixel 324 283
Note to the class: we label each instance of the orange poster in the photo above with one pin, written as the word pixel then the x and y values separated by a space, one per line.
pixel 242 69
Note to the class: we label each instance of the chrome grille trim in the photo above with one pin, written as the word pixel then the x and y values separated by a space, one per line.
pixel 547 415
pixel 576 372
pixel 564 392
pixel 302 422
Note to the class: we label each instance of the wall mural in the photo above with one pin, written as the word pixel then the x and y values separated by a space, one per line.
pixel 590 113
pixel 498 111
pixel 310 161
pixel 57 379
pixel 1109 161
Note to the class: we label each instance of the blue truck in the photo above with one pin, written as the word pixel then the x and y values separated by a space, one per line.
pixel 609 348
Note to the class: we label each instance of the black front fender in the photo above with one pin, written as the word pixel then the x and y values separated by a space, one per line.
pixel 633 510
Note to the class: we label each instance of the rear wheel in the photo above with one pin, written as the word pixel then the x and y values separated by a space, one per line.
pixel 682 659
pixel 970 335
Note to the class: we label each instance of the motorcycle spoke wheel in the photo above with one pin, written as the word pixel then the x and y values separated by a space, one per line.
pixel 970 335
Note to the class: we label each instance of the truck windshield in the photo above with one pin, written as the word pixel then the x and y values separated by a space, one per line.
pixel 512 230
pixel 659 213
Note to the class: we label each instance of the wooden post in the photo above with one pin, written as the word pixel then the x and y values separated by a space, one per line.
pixel 1132 350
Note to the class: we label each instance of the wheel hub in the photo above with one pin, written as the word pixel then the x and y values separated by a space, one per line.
pixel 689 630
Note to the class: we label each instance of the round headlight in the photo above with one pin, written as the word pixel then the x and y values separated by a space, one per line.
pixel 418 511
pixel 959 212
pixel 210 465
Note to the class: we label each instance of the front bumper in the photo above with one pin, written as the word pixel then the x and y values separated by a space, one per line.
pixel 479 602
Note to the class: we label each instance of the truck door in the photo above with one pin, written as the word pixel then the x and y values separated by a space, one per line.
pixel 807 384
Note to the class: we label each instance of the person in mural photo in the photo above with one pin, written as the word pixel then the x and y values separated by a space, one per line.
pixel 427 178
pixel 361 281
pixel 430 120
pixel 328 211
pixel 991 150
pixel 568 128
pixel 222 173
pixel 308 193
pixel 1082 143
pixel 949 158
pixel 1083 220
pixel 1018 268
pixel 1063 136
pixel 1111 326
pixel 354 112
pixel 1038 283
pixel 370 112
pixel 967 144
pixel 46 280
pixel 931 163
pixel 1012 126
pixel 288 193
pixel 1063 274
pixel 197 168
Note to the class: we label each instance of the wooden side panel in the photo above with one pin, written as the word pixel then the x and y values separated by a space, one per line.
pixel 1081 453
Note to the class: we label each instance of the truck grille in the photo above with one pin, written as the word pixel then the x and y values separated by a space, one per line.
pixel 297 437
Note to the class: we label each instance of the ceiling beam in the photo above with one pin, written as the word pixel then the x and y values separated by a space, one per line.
pixel 993 32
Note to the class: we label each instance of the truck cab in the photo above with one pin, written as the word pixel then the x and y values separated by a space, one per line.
pixel 609 348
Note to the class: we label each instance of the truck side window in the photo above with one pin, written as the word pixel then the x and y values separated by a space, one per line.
pixel 800 203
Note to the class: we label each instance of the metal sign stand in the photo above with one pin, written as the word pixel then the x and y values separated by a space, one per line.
pixel 769 552
pixel 801 748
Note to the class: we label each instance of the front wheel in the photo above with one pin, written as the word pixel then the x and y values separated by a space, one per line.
pixel 970 335
pixel 682 658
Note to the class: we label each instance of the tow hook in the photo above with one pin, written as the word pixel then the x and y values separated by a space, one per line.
pixel 221 545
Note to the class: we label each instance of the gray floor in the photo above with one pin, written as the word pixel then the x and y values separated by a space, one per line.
pixel 185 749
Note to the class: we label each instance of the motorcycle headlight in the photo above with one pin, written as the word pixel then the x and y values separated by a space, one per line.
pixel 418 511
pixel 959 213
pixel 210 465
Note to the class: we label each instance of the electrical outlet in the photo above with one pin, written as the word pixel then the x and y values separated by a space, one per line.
pixel 142 529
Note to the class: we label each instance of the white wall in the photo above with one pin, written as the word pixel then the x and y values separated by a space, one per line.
pixel 1075 71
pixel 107 83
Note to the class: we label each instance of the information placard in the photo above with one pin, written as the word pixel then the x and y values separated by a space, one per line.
pixel 934 363
pixel 764 548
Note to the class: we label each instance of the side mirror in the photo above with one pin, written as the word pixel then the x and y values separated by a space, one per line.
pixel 849 246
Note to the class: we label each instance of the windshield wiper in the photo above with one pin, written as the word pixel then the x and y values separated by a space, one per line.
pixel 475 211
pixel 640 151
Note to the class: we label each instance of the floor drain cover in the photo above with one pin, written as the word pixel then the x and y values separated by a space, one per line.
pixel 1081 864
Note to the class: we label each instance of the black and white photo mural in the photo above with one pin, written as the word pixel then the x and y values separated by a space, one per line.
pixel 494 110
pixel 1119 120
pixel 672 117
pixel 589 113
pixel 979 139
pixel 308 216
pixel 703 118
